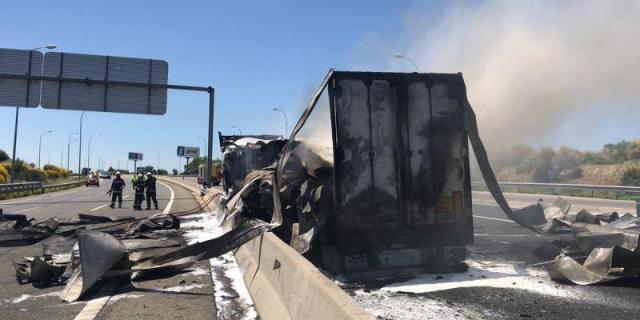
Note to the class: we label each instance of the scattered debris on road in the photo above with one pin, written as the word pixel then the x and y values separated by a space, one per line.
pixel 589 248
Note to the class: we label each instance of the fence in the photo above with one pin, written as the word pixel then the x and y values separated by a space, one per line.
pixel 35 187
pixel 553 188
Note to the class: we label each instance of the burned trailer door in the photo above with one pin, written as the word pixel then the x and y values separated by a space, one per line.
pixel 402 188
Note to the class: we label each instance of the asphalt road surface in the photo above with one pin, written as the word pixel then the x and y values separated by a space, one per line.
pixel 185 296
pixel 499 285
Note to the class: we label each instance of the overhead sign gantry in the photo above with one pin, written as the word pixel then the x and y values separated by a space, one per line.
pixel 72 81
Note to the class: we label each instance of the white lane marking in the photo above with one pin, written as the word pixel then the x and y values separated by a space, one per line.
pixel 25 210
pixel 98 208
pixel 93 307
pixel 167 209
pixel 127 196
pixel 490 218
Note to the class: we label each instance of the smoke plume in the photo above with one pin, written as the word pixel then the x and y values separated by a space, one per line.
pixel 530 66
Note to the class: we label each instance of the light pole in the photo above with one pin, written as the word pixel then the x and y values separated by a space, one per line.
pixel 401 56
pixel 89 148
pixel 205 143
pixel 40 145
pixel 69 148
pixel 238 128
pixel 15 128
pixel 80 147
pixel 62 155
pixel 286 123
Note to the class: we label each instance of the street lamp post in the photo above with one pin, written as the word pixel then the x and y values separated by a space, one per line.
pixel 238 128
pixel 62 155
pixel 89 148
pixel 40 145
pixel 69 148
pixel 15 128
pixel 80 147
pixel 286 123
pixel 401 56
pixel 205 144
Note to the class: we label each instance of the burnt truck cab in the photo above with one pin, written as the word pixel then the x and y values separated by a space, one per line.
pixel 376 176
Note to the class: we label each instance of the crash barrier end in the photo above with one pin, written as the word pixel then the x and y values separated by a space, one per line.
pixel 283 284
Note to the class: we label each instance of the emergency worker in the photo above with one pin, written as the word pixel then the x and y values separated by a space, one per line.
pixel 116 191
pixel 150 186
pixel 138 186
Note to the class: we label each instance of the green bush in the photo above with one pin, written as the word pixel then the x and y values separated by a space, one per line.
pixel 55 172
pixel 631 177
pixel 33 174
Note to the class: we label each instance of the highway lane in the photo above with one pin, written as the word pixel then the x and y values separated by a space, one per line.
pixel 499 284
pixel 89 200
pixel 187 295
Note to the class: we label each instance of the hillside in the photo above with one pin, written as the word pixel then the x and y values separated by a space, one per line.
pixel 615 164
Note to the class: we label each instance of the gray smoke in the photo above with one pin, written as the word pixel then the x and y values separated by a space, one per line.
pixel 530 66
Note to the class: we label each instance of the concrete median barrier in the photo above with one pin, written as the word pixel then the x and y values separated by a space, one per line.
pixel 282 283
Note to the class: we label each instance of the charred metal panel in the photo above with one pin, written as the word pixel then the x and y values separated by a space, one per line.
pixel 397 192
pixel 401 156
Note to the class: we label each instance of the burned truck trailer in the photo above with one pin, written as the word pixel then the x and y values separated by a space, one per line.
pixel 375 176
pixel 242 154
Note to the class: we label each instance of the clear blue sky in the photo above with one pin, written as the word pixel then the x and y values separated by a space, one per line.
pixel 258 54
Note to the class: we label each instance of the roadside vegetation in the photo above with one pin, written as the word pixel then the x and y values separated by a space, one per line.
pixel 27 172
pixel 616 164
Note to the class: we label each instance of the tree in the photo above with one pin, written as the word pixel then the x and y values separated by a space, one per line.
pixel 149 169
pixel 163 172
pixel 3 156
pixel 631 177
pixel 633 150
pixel 192 167
pixel 617 152
pixel 175 172
pixel 566 158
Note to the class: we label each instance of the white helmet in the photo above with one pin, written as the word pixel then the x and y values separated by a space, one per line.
pixel 117 173
pixel 139 175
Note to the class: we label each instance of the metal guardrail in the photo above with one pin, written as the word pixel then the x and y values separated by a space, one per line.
pixel 566 186
pixel 35 187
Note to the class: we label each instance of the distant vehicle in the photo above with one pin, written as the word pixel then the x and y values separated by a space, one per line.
pixel 92 179
pixel 104 175
pixel 215 174
pixel 86 171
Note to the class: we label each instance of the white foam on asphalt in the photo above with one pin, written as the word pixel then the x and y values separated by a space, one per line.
pixel 383 305
pixel 183 288
pixel 25 297
pixel 124 296
pixel 233 300
pixel 232 297
pixel 485 274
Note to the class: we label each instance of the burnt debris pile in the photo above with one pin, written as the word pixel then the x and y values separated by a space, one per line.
pixel 587 248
